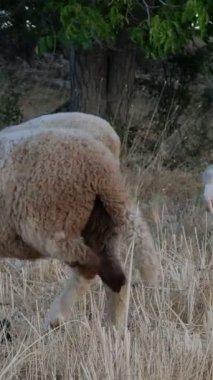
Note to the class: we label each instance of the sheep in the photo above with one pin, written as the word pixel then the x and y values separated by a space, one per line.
pixel 207 178
pixel 103 132
pixel 35 172
pixel 95 126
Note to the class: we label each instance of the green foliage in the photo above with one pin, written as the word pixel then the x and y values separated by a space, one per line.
pixel 161 30
pixel 46 43
pixel 84 25
pixel 157 27
pixel 196 12
pixel 173 26
pixel 162 36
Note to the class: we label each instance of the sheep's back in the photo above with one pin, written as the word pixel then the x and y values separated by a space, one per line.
pixel 94 126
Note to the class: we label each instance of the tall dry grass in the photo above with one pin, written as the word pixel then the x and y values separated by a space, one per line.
pixel 170 328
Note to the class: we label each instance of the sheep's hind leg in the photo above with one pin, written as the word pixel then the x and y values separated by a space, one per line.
pixel 15 248
pixel 101 236
pixel 61 307
pixel 113 276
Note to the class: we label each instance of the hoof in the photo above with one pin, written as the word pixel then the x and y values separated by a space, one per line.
pixel 5 330
pixel 55 324
pixel 54 318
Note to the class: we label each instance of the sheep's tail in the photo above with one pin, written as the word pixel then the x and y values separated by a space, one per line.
pixel 146 257
pixel 128 219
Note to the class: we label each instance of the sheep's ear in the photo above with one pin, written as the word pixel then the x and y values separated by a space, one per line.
pixel 210 206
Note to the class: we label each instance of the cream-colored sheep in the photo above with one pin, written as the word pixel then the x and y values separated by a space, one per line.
pixel 95 126
pixel 53 183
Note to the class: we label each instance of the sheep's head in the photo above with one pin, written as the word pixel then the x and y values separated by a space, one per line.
pixel 208 187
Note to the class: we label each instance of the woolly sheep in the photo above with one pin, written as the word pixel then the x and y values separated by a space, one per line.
pixel 51 180
pixel 95 126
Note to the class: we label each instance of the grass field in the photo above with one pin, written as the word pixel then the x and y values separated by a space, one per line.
pixel 170 328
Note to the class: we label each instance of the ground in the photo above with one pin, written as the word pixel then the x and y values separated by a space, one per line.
pixel 170 328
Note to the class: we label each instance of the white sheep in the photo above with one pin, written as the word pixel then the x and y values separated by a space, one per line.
pixel 62 196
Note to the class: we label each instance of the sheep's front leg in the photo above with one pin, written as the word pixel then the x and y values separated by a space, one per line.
pixel 74 252
pixel 116 306
pixel 60 309
pixel 85 265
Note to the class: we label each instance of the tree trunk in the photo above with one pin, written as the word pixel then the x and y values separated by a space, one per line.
pixel 121 75
pixel 88 74
pixel 102 80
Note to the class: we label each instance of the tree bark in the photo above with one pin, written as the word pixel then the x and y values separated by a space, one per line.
pixel 102 80
pixel 88 74
pixel 121 75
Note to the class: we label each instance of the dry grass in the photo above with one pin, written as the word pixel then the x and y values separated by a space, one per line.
pixel 170 335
